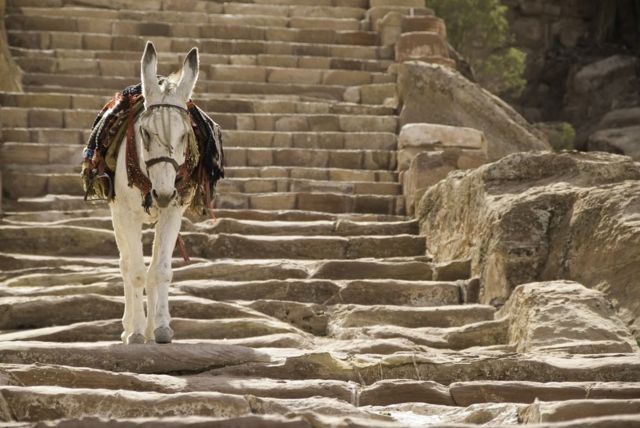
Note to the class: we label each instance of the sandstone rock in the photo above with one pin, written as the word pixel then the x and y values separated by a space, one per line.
pixel 275 388
pixel 449 142
pixel 398 292
pixel 544 315
pixel 424 23
pixel 446 368
pixel 251 421
pixel 452 270
pixel 308 317
pixel 119 358
pixel 50 402
pixel 425 170
pixel 390 28
pixel 532 217
pixel 466 393
pixel 387 392
pixel 623 141
pixel 434 94
pixel 432 136
pixel 420 46
pixel 420 414
pixel 8 67
pixel 545 412
pixel 83 377
pixel 442 316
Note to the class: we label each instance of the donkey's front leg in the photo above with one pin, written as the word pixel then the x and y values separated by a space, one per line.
pixel 128 233
pixel 159 275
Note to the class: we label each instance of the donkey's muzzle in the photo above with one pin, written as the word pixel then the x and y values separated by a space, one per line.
pixel 163 199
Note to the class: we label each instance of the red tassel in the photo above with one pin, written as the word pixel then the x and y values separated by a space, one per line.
pixel 182 248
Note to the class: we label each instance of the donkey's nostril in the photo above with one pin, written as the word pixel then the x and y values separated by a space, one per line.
pixel 154 193
pixel 173 195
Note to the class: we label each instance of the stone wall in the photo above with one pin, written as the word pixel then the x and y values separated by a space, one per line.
pixel 11 74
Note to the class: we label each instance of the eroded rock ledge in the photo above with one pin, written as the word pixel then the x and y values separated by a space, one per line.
pixel 541 216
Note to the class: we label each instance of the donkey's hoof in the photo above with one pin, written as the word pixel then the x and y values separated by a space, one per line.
pixel 136 339
pixel 163 334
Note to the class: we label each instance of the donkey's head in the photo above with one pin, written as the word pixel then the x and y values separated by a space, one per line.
pixel 165 127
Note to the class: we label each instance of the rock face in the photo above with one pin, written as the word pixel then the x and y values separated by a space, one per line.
pixel 428 152
pixel 542 216
pixel 436 94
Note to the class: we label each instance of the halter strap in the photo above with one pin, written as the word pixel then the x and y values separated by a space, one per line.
pixel 160 159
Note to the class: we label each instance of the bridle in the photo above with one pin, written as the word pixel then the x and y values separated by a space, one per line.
pixel 142 180
pixel 162 159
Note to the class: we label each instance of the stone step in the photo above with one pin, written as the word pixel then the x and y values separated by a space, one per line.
pixel 228 225
pixel 334 203
pixel 213 6
pixel 385 392
pixel 70 154
pixel 218 104
pixel 154 10
pixel 258 270
pixel 28 180
pixel 322 202
pixel 220 27
pixel 23 117
pixel 208 59
pixel 37 239
pixel 349 316
pixel 77 319
pixel 486 334
pixel 232 138
pixel 107 86
pixel 293 172
pixel 30 313
pixel 101 209
pixel 330 203
pixel 448 368
pixel 467 393
pixel 153 358
pixel 311 140
pixel 413 293
pixel 105 403
pixel 391 281
pixel 562 411
pixel 71 184
pixel 184 329
pixel 72 405
pixel 214 73
pixel 133 43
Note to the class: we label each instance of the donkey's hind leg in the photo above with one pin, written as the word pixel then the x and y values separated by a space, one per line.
pixel 128 234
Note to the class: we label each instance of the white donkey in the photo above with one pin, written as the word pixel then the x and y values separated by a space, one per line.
pixel 162 132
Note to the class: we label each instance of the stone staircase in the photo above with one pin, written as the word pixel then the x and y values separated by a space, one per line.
pixel 310 301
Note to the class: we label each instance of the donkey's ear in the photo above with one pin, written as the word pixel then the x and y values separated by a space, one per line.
pixel 189 74
pixel 149 71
